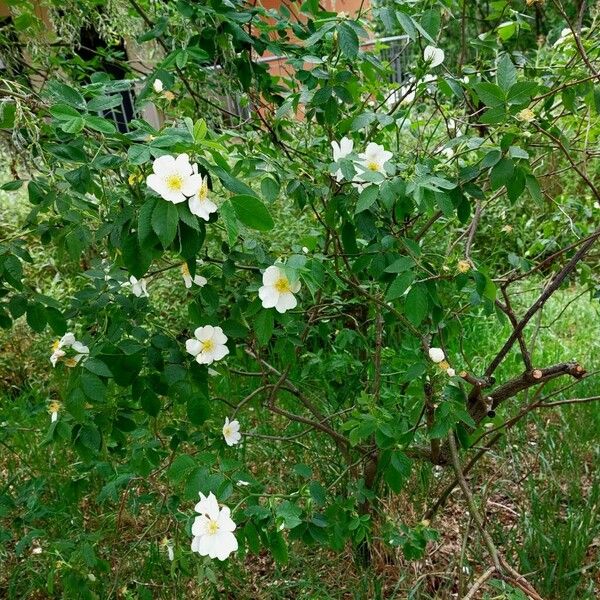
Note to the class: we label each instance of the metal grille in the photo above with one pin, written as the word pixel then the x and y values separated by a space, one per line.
pixel 122 114
pixel 396 52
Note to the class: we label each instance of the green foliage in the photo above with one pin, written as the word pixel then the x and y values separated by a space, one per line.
pixel 330 277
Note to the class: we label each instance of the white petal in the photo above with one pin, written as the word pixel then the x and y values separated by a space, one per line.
pixel 192 184
pixel 218 336
pixel 66 340
pixel 337 152
pixel 212 507
pixel 193 347
pixel 346 146
pixel 80 348
pixel 188 281
pixel 434 56
pixel 225 544
pixel 286 301
pixel 182 162
pixel 205 545
pixel 205 358
pixel 271 275
pixel 204 333
pixel 225 522
pixel 200 522
pixel 174 197
pixel 436 355
pixel 199 281
pixel 220 352
pixel 163 164
pixel 269 296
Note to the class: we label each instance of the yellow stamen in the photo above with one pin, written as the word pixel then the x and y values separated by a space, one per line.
pixel 54 406
pixel 203 191
pixel 282 285
pixel 227 431
pixel 373 166
pixel 70 362
pixel 212 527
pixel 185 269
pixel 208 346
pixel 174 182
pixel 56 345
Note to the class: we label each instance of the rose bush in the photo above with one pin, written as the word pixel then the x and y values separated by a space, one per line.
pixel 336 247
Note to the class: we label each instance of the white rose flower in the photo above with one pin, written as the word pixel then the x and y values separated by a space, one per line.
pixel 277 290
pixel 68 341
pixel 436 355
pixel 173 178
pixel 158 86
pixel 374 157
pixel 340 151
pixel 434 56
pixel 231 432
pixel 213 529
pixel 139 287
pixel 187 278
pixel 199 203
pixel 207 345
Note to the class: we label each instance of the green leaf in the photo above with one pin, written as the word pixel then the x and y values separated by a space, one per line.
pixel 136 257
pixel 64 112
pixel 506 74
pixel 407 23
pixel 417 304
pixel 399 286
pixel 367 198
pixel 100 124
pixel 263 326
pixel 400 265
pixel 73 126
pixel 227 213
pixel 348 41
pixel 317 493
pixel 289 513
pixel 501 173
pixel 197 408
pixel 93 387
pixel 232 184
pixel 269 188
pixel 96 366
pixel 90 437
pixel 278 547
pixel 150 402
pixel 252 212
pixel 145 218
pixel 180 468
pixel 36 317
pixel 164 222
pixel 65 93
pixel 490 94
pixel 521 93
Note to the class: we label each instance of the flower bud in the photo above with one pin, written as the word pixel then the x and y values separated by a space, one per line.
pixel 436 355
